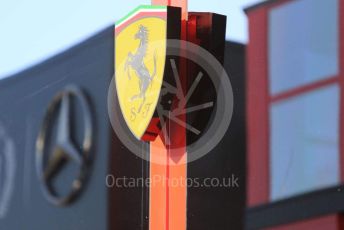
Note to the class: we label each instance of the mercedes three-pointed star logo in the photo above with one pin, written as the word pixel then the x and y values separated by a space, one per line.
pixel 48 165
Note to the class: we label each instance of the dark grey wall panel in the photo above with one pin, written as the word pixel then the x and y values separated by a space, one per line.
pixel 23 101
pixel 220 207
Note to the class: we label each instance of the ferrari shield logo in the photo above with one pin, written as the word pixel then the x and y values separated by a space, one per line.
pixel 140 50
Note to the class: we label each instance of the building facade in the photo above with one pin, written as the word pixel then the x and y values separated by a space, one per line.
pixel 295 105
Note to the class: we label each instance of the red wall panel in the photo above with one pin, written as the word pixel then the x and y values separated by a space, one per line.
pixel 341 79
pixel 257 109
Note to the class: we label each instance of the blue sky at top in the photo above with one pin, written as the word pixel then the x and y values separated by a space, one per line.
pixel 32 31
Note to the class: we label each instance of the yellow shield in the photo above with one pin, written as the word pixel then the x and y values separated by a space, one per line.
pixel 140 53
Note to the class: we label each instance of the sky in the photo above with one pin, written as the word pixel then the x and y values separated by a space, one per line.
pixel 33 31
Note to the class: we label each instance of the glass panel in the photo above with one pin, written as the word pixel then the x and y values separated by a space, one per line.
pixel 303 43
pixel 304 151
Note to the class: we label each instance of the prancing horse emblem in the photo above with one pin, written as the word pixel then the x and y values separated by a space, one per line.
pixel 140 55
pixel 136 62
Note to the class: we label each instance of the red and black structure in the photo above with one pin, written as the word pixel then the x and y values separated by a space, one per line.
pixel 169 206
pixel 164 207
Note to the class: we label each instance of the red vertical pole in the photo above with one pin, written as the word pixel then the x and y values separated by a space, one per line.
pixel 168 203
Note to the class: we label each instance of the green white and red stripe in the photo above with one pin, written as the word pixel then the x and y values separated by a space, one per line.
pixel 140 12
